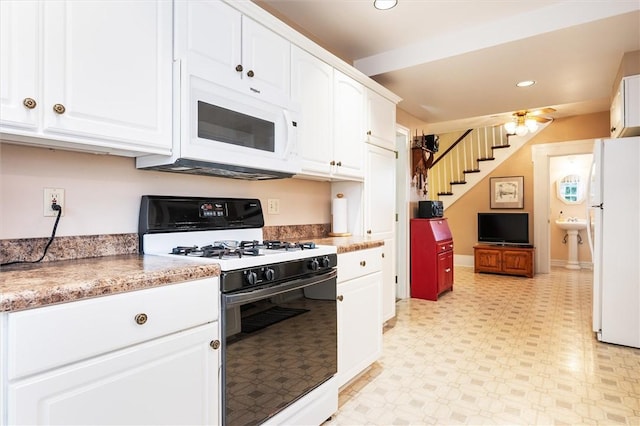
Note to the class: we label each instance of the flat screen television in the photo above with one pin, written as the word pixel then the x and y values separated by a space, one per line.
pixel 503 228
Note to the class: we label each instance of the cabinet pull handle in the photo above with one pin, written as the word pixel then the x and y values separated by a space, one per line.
pixel 363 263
pixel 447 270
pixel 339 163
pixel 369 132
pixel 141 318
pixel 215 344
pixel 59 109
pixel 250 73
pixel 613 129
pixel 383 255
pixel 368 231
pixel 29 103
pixel 332 163
pixel 340 298
pixel 239 68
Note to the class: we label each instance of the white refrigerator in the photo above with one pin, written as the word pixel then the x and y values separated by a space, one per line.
pixel 614 212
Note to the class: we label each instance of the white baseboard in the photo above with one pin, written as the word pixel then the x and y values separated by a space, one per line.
pixel 463 260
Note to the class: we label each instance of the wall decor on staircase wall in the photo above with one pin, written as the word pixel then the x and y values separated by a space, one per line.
pixel 507 192
pixel 422 156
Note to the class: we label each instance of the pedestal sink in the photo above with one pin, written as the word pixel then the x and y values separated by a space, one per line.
pixel 572 227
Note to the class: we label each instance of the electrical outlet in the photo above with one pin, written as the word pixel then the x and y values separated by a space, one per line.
pixel 52 195
pixel 273 206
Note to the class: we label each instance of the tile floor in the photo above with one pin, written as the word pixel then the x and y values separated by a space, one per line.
pixel 497 350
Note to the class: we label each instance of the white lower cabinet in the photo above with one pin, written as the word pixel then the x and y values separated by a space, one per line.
pixel 359 312
pixel 142 357
pixel 171 380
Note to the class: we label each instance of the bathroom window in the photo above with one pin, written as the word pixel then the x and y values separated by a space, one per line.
pixel 570 189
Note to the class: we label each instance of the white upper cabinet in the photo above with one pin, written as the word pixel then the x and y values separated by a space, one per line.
pixel 625 108
pixel 331 128
pixel 381 120
pixel 348 107
pixel 19 96
pixel 241 53
pixel 92 76
pixel 312 92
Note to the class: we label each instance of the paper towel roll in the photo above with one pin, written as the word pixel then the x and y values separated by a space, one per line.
pixel 339 215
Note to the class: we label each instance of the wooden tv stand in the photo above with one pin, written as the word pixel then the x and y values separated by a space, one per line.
pixel 504 259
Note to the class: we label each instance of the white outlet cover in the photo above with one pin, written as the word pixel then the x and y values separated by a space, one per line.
pixel 49 195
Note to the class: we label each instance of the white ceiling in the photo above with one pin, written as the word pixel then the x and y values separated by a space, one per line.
pixel 455 62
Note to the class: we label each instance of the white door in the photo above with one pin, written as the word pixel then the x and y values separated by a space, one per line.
pixel 348 126
pixel 312 90
pixel 620 286
pixel 20 97
pixel 359 325
pixel 380 217
pixel 171 380
pixel 107 70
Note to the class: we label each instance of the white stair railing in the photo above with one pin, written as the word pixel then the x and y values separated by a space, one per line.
pixel 466 157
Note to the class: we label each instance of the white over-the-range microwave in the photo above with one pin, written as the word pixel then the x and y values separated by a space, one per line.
pixel 223 132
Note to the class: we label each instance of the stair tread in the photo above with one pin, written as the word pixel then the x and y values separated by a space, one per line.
pixel 500 146
pixel 458 182
pixel 471 171
pixel 445 193
pixel 486 159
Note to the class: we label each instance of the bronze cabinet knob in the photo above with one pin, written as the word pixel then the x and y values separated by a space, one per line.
pixel 340 298
pixel 250 73
pixel 59 109
pixel 29 103
pixel 141 318
pixel 239 68
pixel 215 344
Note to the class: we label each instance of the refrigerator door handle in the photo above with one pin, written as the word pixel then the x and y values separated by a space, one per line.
pixel 598 206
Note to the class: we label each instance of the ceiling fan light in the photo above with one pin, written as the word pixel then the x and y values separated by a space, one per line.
pixel 510 127
pixel 384 4
pixel 521 130
pixel 526 83
pixel 531 124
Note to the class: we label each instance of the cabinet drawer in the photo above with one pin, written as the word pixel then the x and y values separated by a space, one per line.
pixel 43 338
pixel 444 246
pixel 359 263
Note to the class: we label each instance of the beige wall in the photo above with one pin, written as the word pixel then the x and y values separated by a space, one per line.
pixel 462 214
pixel 103 193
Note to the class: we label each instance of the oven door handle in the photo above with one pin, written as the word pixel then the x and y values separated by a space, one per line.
pixel 231 300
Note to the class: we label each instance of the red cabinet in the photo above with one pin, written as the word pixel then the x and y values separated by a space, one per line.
pixel 431 258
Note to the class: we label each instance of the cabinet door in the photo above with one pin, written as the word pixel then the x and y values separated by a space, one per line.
pixel 19 65
pixel 266 59
pixel 617 109
pixel 108 64
pixel 632 102
pixel 172 380
pixel 380 189
pixel 388 279
pixel 312 91
pixel 445 271
pixel 213 31
pixel 348 126
pixel 516 262
pixel 381 120
pixel 487 260
pixel 359 325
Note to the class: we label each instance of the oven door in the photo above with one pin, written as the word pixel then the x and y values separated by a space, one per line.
pixel 280 342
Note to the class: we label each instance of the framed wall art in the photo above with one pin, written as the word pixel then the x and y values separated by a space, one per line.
pixel 507 192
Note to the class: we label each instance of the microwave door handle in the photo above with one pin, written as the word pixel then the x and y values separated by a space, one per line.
pixel 290 140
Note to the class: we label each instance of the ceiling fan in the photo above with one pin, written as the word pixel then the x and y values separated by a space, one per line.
pixel 525 121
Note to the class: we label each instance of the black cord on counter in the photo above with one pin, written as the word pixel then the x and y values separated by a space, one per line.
pixel 53 234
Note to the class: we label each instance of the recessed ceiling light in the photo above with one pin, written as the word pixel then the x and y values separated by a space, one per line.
pixel 384 4
pixel 526 83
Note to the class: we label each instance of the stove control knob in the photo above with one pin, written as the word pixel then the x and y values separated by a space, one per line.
pixel 269 274
pixel 251 277
pixel 325 262
pixel 314 264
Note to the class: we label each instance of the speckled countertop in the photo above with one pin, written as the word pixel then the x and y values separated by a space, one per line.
pixel 348 244
pixel 25 286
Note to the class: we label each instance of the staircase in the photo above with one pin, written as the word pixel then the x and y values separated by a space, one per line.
pixel 469 156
